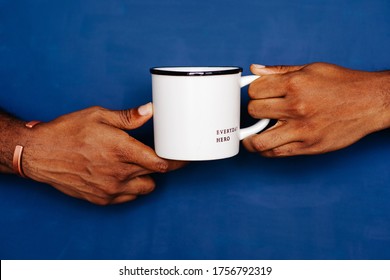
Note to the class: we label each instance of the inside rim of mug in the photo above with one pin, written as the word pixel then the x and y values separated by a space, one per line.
pixel 195 71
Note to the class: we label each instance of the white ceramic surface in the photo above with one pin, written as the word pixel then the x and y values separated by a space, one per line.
pixel 197 112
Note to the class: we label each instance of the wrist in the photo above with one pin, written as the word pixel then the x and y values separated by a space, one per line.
pixel 18 153
pixel 382 90
pixel 14 134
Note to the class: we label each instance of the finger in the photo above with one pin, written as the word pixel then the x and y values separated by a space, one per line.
pixel 129 119
pixel 138 186
pixel 290 149
pixel 176 164
pixel 262 70
pixel 273 83
pixel 123 199
pixel 276 136
pixel 128 171
pixel 130 190
pixel 271 108
pixel 141 154
pixel 272 86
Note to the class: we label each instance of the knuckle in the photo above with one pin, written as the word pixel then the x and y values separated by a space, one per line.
pixel 252 109
pixel 252 92
pixel 113 189
pixel 125 117
pixel 294 82
pixel 96 111
pixel 282 152
pixel 145 185
pixel 300 109
pixel 95 108
pixel 259 145
pixel 321 65
pixel 120 175
pixel 101 201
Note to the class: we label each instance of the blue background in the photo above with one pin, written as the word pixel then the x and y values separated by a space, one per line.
pixel 60 56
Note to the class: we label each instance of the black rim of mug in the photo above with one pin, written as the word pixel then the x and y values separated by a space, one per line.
pixel 176 70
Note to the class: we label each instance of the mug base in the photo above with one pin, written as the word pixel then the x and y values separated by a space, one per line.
pixel 195 158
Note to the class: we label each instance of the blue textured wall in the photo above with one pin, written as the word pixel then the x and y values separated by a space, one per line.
pixel 61 56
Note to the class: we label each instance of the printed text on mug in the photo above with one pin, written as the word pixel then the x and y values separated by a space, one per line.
pixel 223 134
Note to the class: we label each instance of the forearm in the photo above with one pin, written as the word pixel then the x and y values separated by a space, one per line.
pixel 12 133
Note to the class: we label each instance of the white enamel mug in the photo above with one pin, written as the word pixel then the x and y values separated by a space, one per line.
pixel 196 112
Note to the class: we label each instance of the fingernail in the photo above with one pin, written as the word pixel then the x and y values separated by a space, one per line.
pixel 258 66
pixel 146 109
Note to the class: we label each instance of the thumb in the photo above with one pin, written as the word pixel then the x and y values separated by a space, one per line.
pixel 131 118
pixel 277 69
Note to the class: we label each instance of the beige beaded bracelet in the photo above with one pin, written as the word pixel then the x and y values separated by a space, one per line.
pixel 18 153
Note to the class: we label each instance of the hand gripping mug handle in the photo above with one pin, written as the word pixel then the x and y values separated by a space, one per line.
pixel 261 124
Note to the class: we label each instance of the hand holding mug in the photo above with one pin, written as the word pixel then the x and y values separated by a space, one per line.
pixel 320 107
pixel 88 155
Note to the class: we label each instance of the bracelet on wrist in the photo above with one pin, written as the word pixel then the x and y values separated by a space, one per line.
pixel 18 153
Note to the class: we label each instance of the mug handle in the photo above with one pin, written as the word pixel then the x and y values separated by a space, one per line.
pixel 261 124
